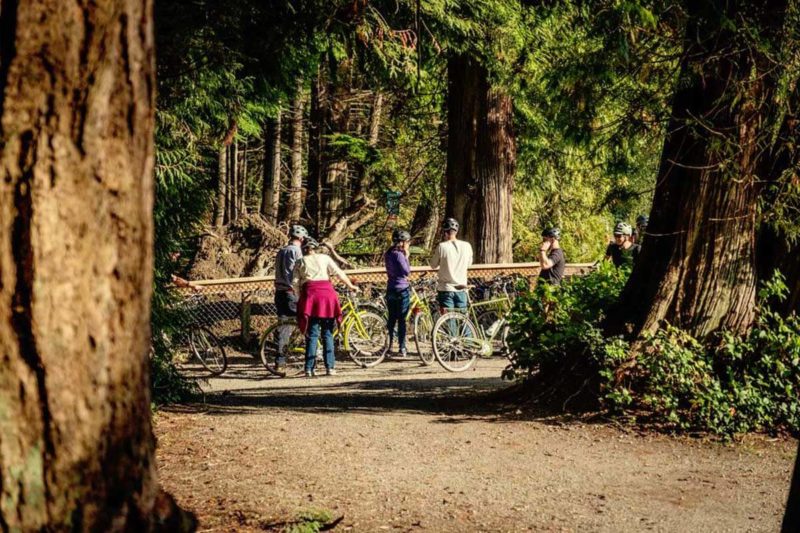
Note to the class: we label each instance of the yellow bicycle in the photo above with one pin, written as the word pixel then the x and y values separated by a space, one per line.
pixel 460 336
pixel 362 335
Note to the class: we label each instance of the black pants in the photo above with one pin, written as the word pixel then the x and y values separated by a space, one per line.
pixel 286 302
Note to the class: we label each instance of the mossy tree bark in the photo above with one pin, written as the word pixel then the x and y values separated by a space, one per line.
pixel 481 160
pixel 76 125
pixel 697 266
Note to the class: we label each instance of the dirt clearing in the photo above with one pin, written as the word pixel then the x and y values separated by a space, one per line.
pixel 407 448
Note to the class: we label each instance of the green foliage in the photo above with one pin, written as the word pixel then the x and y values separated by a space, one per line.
pixel 182 198
pixel 729 385
pixel 555 324
pixel 310 521
pixel 591 96
pixel 744 383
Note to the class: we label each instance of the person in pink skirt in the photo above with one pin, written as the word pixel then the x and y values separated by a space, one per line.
pixel 318 309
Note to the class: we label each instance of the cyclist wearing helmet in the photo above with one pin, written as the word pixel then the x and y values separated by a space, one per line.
pixel 639 230
pixel 398 295
pixel 318 308
pixel 453 258
pixel 285 297
pixel 551 257
pixel 623 251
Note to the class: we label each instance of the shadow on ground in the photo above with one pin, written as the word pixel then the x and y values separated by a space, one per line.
pixel 455 399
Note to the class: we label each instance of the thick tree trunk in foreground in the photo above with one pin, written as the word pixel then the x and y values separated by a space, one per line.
pixel 271 188
pixel 481 160
pixel 697 266
pixel 76 112
pixel 294 204
pixel 495 165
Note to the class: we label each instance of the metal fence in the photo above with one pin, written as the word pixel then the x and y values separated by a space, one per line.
pixel 238 310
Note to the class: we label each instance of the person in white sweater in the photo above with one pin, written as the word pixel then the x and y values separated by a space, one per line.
pixel 318 308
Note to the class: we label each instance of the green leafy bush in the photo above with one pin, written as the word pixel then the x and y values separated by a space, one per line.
pixel 556 330
pixel 553 322
pixel 736 385
pixel 726 385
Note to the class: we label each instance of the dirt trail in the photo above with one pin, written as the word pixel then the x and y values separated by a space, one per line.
pixel 407 448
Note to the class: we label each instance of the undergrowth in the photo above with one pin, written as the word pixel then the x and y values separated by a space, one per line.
pixel 725 385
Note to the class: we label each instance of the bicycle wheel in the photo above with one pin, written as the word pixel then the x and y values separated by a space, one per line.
pixel 423 330
pixel 366 338
pixel 207 348
pixel 294 350
pixel 456 344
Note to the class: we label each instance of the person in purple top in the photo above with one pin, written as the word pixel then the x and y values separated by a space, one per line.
pixel 398 294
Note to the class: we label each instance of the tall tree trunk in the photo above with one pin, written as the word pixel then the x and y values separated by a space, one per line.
pixel 294 206
pixel 362 208
pixel 233 184
pixel 697 265
pixel 76 195
pixel 375 119
pixel 315 148
pixel 481 160
pixel 271 189
pixel 222 186
pixel 243 183
pixel 221 214
pixel 495 165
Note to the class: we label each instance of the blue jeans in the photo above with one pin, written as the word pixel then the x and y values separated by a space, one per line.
pixel 452 299
pixel 398 303
pixel 315 327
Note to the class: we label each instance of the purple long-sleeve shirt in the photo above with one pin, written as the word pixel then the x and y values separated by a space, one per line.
pixel 398 269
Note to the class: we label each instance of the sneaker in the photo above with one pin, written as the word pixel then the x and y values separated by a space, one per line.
pixel 330 372
pixel 310 374
pixel 403 352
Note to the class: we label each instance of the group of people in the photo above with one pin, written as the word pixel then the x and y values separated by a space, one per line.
pixel 303 287
pixel 622 250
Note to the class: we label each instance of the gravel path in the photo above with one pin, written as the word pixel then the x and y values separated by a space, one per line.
pixel 408 448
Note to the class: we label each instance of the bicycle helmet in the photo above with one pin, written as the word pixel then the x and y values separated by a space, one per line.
pixel 553 233
pixel 450 224
pixel 399 235
pixel 623 228
pixel 298 232
pixel 642 220
pixel 310 243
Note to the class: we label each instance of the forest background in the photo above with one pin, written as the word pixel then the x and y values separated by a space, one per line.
pixel 355 117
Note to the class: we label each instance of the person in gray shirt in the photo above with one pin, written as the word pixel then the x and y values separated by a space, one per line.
pixel 285 297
